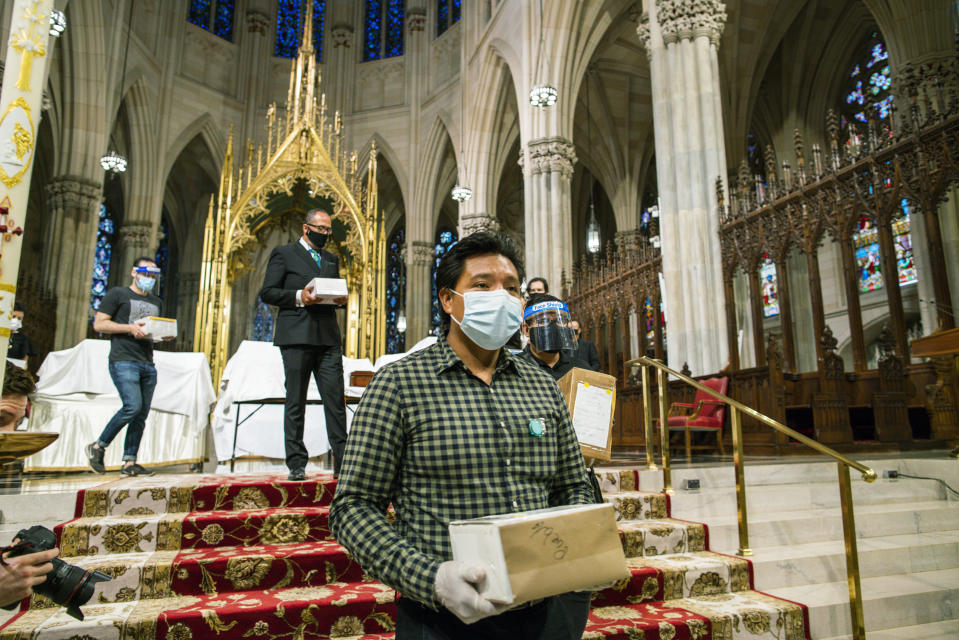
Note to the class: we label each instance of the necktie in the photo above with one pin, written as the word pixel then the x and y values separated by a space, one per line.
pixel 317 257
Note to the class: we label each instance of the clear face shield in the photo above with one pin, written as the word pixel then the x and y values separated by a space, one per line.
pixel 548 324
pixel 145 275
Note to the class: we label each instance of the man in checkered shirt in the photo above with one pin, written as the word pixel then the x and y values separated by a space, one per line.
pixel 460 430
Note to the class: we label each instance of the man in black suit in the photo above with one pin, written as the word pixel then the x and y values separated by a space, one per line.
pixel 585 349
pixel 308 336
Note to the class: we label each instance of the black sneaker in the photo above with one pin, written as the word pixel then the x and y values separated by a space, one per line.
pixel 296 475
pixel 135 470
pixel 95 458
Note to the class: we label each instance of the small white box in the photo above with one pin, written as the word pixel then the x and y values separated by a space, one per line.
pixel 159 328
pixel 542 553
pixel 329 289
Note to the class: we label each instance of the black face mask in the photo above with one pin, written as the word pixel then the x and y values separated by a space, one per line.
pixel 318 239
pixel 547 338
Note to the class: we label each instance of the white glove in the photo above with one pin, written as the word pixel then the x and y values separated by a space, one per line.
pixel 455 589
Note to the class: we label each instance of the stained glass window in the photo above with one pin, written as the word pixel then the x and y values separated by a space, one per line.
pixel 289 25
pixel 213 15
pixel 163 258
pixel 448 13
pixel 106 237
pixel 263 322
pixel 866 242
pixel 770 287
pixel 868 85
pixel 383 32
pixel 396 294
pixel 649 322
pixel 445 239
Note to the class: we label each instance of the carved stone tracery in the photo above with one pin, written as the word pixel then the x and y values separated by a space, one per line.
pixel 476 222
pixel 551 154
pixel 72 193
pixel 422 253
pixel 689 19
pixel 257 22
pixel 342 35
pixel 137 233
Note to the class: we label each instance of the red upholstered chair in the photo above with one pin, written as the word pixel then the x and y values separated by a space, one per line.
pixel 707 414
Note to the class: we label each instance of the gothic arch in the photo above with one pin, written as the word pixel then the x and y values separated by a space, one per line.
pixel 427 181
pixel 385 149
pixel 485 163
pixel 209 132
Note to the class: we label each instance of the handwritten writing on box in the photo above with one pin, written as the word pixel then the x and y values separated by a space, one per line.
pixel 550 538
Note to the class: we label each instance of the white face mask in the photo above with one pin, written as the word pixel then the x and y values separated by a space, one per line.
pixel 16 324
pixel 490 317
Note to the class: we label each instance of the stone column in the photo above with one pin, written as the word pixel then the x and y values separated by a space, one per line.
pixel 548 170
pixel 136 239
pixel 68 253
pixel 419 286
pixel 682 40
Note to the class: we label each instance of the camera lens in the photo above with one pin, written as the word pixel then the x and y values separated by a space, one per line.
pixel 70 586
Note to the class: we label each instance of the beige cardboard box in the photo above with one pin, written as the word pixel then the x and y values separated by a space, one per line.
pixel 159 328
pixel 328 289
pixel 591 398
pixel 542 553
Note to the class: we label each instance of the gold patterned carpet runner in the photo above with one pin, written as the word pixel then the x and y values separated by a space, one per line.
pixel 251 556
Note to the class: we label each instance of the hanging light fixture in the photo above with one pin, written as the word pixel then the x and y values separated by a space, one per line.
pixel 461 194
pixel 113 161
pixel 58 23
pixel 593 241
pixel 542 95
pixel 401 321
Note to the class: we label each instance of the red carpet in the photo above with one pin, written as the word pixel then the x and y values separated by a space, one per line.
pixel 250 556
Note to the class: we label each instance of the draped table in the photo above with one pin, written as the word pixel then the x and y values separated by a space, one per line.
pixel 76 398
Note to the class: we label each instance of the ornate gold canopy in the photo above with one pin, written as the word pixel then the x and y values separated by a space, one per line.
pixel 303 153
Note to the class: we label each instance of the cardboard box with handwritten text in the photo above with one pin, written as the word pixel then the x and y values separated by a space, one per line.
pixel 542 553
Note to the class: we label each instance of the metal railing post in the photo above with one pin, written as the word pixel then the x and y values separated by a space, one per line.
pixel 648 422
pixel 739 466
pixel 852 553
pixel 664 428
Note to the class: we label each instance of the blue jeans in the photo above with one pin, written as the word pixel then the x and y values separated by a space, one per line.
pixel 135 382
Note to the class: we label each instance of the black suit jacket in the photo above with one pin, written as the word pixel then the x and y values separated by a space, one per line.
pixel 586 351
pixel 291 268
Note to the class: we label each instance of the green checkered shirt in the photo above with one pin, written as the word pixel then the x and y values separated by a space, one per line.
pixel 440 445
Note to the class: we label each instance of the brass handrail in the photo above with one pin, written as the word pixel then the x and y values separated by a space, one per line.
pixel 843 463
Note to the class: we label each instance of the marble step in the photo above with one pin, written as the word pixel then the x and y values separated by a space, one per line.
pixel 889 602
pixel 777 471
pixel 796 497
pixel 779 528
pixel 30 509
pixel 819 562
pixel 943 630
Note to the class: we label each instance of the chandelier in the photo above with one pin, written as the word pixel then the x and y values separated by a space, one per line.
pixel 543 96
pixel 113 162
pixel 58 23
pixel 461 194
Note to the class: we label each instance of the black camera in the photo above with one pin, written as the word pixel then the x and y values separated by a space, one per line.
pixel 67 585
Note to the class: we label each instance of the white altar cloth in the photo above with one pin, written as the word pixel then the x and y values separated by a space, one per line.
pixel 76 398
pixel 255 372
